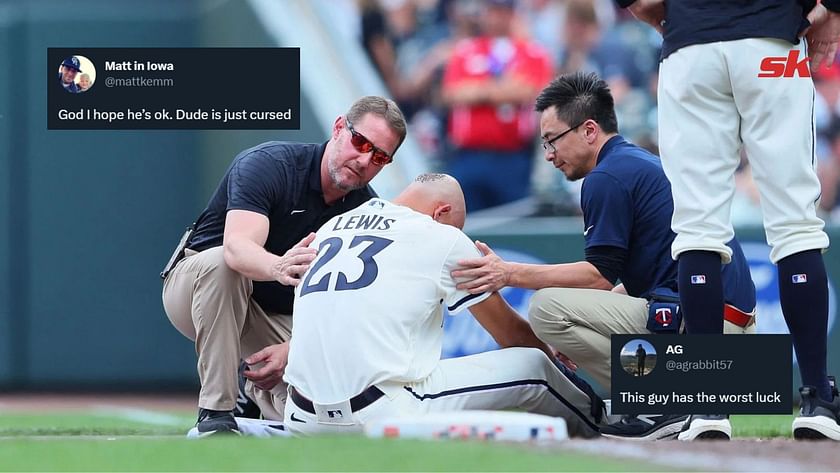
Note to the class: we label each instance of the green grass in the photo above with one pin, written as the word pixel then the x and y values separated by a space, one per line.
pixel 120 449
pixel 85 424
pixel 763 426
pixel 298 454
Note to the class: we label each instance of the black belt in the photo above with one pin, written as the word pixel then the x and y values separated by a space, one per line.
pixel 357 403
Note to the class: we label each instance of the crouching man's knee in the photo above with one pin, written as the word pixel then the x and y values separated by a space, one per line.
pixel 202 287
pixel 546 315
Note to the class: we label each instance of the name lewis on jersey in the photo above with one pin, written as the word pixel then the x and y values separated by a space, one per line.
pixel 364 221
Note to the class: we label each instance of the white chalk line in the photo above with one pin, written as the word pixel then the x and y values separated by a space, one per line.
pixel 142 416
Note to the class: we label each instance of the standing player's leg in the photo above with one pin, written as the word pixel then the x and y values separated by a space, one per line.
pixel 778 132
pixel 699 144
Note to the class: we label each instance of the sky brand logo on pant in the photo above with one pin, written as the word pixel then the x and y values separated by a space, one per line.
pixel 790 66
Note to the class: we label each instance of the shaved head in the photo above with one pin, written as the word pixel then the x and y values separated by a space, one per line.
pixel 438 196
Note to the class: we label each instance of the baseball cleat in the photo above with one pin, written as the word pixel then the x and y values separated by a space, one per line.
pixel 215 422
pixel 706 427
pixel 818 419
pixel 645 427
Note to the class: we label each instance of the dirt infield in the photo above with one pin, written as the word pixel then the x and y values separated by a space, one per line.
pixel 737 455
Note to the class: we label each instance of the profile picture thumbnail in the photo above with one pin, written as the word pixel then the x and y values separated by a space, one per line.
pixel 76 74
pixel 638 357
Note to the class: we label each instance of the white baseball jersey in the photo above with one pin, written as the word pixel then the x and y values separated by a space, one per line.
pixel 369 309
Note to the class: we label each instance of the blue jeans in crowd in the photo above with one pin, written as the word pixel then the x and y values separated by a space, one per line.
pixel 490 178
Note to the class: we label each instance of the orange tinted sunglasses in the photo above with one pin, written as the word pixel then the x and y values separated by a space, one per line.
pixel 364 145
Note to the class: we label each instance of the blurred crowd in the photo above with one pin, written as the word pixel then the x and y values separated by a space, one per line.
pixel 466 73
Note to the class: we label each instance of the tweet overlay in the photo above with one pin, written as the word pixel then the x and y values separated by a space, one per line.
pixel 701 374
pixel 173 88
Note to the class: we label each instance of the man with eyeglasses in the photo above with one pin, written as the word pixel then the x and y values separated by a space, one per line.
pixel 230 285
pixel 627 205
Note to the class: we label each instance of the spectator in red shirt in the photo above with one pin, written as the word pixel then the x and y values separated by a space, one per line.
pixel 490 84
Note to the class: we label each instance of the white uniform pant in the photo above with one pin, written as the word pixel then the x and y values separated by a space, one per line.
pixel 512 378
pixel 711 102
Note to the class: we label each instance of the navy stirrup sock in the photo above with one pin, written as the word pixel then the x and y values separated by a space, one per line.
pixel 803 290
pixel 701 291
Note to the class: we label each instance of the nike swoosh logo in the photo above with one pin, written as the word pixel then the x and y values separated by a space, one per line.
pixel 297 211
pixel 586 232
pixel 295 419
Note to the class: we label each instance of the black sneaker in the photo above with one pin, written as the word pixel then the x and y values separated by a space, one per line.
pixel 215 422
pixel 645 427
pixel 818 419
pixel 245 407
pixel 706 427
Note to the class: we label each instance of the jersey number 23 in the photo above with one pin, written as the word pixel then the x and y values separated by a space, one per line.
pixel 331 247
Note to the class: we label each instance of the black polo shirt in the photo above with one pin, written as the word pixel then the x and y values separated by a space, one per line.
pixel 281 180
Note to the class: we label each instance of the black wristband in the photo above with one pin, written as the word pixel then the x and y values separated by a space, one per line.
pixel 625 3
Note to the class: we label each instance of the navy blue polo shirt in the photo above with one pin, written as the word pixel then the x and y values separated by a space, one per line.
pixel 281 180
pixel 626 201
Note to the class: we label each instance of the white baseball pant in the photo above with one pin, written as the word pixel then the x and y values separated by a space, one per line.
pixel 711 102
pixel 511 378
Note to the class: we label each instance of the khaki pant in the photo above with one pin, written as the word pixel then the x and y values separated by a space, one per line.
pixel 579 322
pixel 211 304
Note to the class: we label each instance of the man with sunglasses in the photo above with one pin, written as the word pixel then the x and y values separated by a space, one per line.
pixel 233 289
pixel 627 205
